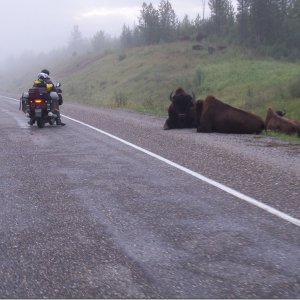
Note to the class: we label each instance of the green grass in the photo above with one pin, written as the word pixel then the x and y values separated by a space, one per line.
pixel 141 79
pixel 292 139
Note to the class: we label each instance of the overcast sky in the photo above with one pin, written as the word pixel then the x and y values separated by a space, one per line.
pixel 46 25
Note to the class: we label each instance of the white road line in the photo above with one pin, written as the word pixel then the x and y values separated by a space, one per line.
pixel 216 184
pixel 199 176
pixel 10 98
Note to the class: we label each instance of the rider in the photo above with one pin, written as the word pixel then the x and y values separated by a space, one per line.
pixel 44 80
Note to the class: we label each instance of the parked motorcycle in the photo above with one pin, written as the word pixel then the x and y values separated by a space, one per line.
pixel 36 104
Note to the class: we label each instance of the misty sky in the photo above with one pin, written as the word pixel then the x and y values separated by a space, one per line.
pixel 42 25
pixel 45 25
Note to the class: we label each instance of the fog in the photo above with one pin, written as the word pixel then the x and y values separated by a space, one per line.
pixel 41 26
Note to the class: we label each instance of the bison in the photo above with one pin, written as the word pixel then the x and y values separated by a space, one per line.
pixel 212 115
pixel 221 47
pixel 181 111
pixel 200 36
pixel 197 47
pixel 276 122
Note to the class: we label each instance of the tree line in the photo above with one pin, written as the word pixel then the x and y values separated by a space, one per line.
pixel 271 26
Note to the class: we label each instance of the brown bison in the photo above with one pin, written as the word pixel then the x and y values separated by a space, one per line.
pixel 212 115
pixel 181 111
pixel 200 36
pixel 276 122
pixel 197 47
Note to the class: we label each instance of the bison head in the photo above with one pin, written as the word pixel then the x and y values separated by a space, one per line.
pixel 181 111
pixel 181 104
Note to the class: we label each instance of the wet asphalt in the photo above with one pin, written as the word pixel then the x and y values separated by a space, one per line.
pixel 85 216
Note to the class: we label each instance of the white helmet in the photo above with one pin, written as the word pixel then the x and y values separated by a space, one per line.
pixel 43 76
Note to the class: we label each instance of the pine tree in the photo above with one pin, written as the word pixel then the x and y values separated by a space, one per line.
pixel 265 21
pixel 126 37
pixel 222 15
pixel 149 24
pixel 99 41
pixel 186 27
pixel 293 17
pixel 243 19
pixel 76 43
pixel 167 21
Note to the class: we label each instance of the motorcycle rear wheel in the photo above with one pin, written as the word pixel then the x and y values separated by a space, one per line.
pixel 40 123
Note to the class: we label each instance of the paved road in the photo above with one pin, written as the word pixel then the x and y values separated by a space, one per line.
pixel 86 216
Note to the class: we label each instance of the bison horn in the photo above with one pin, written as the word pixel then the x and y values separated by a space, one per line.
pixel 171 96
pixel 281 113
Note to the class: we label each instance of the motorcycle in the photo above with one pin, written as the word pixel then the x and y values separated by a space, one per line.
pixel 37 103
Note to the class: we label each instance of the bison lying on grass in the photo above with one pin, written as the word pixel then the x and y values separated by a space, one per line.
pixel 212 115
pixel 276 122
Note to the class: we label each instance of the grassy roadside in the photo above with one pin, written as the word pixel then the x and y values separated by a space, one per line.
pixel 142 78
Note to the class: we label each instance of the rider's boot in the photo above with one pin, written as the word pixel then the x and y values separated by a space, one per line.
pixel 58 120
pixel 31 122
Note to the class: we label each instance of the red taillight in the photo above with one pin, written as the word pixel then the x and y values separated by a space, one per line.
pixel 38 100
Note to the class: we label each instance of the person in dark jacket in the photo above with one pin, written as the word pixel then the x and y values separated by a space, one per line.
pixel 44 80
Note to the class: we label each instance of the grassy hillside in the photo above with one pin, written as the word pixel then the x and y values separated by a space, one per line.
pixel 142 78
